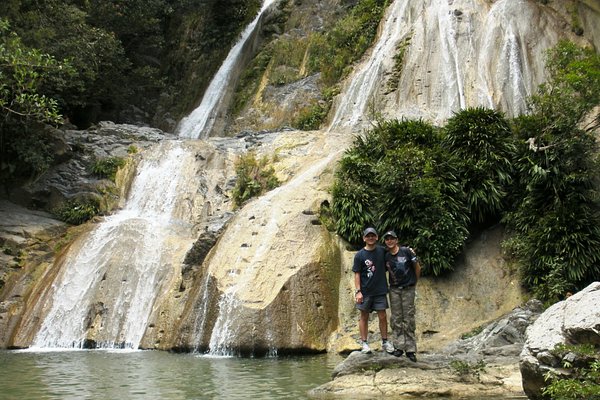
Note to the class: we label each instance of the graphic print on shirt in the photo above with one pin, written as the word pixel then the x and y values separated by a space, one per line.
pixel 398 268
pixel 370 268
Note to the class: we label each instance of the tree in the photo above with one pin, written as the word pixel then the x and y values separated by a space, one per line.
pixel 23 71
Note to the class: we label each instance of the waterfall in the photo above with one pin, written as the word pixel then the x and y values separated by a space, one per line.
pixel 511 72
pixel 458 54
pixel 355 99
pixel 198 124
pixel 117 272
pixel 109 284
pixel 452 64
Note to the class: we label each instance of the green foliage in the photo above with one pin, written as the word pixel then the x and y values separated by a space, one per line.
pixel 77 211
pixel 480 141
pixel 24 148
pixel 311 117
pixel 254 177
pixel 583 378
pixel 107 167
pixel 555 215
pixel 571 92
pixel 23 71
pixel 464 368
pixel 398 64
pixel 333 52
pixel 396 177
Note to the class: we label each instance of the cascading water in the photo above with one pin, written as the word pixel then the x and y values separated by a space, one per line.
pixel 353 104
pixel 513 69
pixel 198 124
pixel 456 54
pixel 130 250
pixel 130 254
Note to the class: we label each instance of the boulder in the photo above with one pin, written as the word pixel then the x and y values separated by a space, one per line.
pixel 573 321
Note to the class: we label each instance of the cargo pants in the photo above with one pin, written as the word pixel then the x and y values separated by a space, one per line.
pixel 402 321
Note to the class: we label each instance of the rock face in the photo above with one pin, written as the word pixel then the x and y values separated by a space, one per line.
pixel 573 321
pixel 27 238
pixel 271 280
pixel 456 54
pixel 72 177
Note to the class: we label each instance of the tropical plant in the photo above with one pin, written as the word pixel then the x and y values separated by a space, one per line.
pixel 582 381
pixel 555 217
pixel 480 140
pixel 254 177
pixel 396 177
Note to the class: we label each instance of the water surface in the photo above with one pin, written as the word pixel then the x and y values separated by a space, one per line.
pixel 98 374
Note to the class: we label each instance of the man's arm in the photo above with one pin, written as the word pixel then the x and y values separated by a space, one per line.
pixel 417 269
pixel 358 296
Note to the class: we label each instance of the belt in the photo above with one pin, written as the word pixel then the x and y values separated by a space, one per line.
pixel 402 287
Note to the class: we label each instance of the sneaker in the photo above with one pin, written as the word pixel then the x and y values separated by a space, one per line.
pixel 365 349
pixel 398 353
pixel 411 356
pixel 388 347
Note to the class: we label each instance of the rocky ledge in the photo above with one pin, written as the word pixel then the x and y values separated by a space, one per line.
pixel 485 365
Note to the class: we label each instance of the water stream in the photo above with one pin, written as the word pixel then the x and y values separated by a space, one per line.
pixel 198 124
pixel 353 105
pixel 126 257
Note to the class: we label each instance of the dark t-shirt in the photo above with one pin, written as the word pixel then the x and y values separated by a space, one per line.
pixel 401 267
pixel 371 265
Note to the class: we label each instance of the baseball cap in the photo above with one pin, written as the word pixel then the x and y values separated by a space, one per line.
pixel 391 233
pixel 369 230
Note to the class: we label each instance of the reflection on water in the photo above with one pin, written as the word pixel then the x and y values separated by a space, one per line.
pixel 157 375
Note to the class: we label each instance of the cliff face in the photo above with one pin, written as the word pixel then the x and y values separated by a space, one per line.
pixel 432 58
pixel 278 279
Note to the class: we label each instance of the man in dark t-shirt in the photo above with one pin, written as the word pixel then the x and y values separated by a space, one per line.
pixel 371 288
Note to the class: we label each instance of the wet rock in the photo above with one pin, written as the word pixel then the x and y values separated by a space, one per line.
pixel 573 321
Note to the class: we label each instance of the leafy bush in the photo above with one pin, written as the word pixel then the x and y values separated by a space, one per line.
pixel 396 177
pixel 254 177
pixel 311 117
pixel 480 140
pixel 464 368
pixel 332 53
pixel 107 167
pixel 76 211
pixel 555 213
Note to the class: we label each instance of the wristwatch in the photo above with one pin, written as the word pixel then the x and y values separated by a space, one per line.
pixel 357 291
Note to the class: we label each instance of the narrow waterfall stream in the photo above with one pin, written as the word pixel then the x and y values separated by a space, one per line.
pixel 198 124
pixel 352 109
